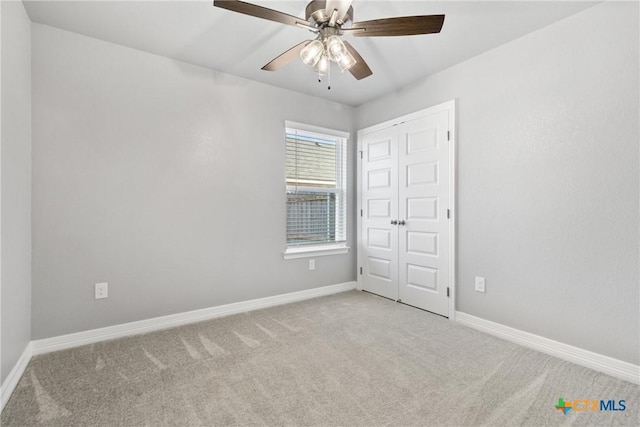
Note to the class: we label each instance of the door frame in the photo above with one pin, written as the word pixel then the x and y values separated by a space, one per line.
pixel 450 107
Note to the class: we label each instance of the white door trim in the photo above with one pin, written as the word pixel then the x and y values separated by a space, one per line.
pixel 449 106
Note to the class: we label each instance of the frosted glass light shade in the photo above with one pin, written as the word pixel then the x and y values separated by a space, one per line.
pixel 346 61
pixel 335 48
pixel 312 53
pixel 322 67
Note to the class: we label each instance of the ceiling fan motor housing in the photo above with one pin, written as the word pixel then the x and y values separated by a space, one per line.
pixel 316 12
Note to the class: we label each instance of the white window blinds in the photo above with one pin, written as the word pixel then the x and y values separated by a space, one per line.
pixel 316 188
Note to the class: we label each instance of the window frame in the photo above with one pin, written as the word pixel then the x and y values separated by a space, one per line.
pixel 321 249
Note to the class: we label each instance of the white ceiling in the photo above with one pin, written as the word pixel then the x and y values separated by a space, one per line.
pixel 198 33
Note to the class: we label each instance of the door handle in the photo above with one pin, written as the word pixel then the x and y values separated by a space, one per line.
pixel 401 222
pixel 394 222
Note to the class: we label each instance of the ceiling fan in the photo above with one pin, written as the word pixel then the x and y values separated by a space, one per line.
pixel 329 19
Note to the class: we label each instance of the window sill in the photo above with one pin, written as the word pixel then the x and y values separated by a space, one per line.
pixel 307 252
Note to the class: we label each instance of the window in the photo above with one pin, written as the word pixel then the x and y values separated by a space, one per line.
pixel 316 187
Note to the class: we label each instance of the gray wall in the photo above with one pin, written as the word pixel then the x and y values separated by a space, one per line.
pixel 165 180
pixel 548 178
pixel 15 154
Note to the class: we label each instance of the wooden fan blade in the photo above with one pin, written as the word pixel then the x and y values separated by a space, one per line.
pixel 260 12
pixel 361 69
pixel 401 26
pixel 286 57
pixel 342 6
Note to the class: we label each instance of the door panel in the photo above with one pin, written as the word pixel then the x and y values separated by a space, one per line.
pixel 380 206
pixel 423 199
pixel 422 208
pixel 422 243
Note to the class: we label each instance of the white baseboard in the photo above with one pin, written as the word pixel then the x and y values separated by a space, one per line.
pixel 149 325
pixel 14 376
pixel 605 364
pixel 77 339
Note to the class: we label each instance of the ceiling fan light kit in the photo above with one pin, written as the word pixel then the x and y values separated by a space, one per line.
pixel 323 66
pixel 319 52
pixel 311 53
pixel 326 18
pixel 346 61
pixel 338 52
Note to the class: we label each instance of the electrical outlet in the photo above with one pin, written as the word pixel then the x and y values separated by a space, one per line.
pixel 102 290
pixel 312 264
pixel 480 281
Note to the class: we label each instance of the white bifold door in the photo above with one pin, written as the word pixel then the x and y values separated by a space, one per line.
pixel 405 191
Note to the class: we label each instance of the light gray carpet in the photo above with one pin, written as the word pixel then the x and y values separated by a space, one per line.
pixel 347 359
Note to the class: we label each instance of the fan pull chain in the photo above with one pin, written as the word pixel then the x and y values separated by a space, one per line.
pixel 328 74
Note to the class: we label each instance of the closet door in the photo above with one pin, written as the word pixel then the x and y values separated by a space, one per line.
pixel 423 200
pixel 406 231
pixel 379 187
